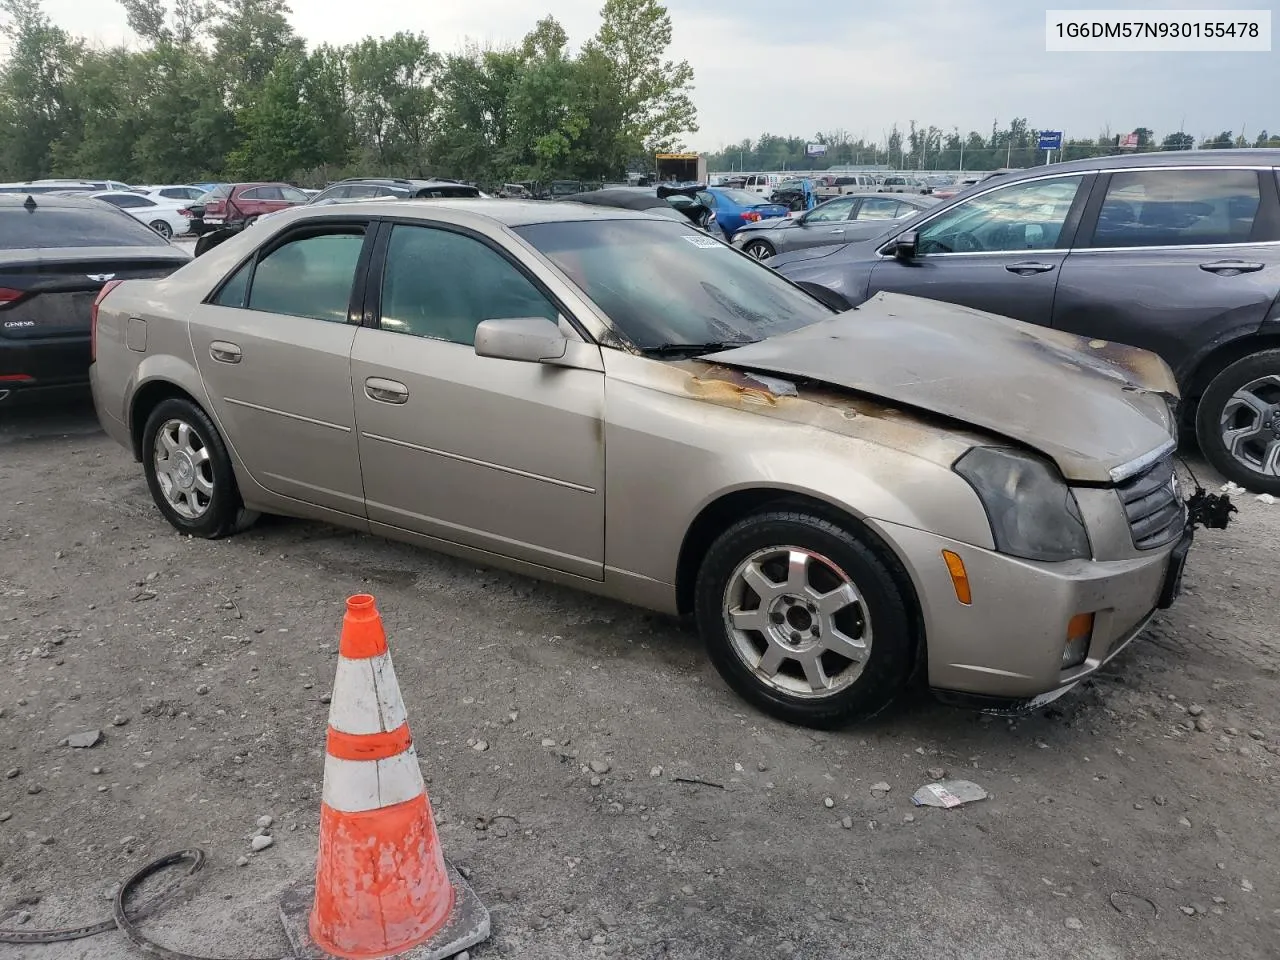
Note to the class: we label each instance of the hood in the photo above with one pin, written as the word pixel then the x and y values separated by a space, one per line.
pixel 1089 405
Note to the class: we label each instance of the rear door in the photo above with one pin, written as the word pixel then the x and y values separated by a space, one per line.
pixel 273 345
pixel 999 251
pixel 1174 260
pixel 53 262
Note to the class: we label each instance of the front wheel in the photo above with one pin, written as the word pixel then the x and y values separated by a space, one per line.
pixel 1238 422
pixel 759 249
pixel 803 619
pixel 162 227
pixel 189 471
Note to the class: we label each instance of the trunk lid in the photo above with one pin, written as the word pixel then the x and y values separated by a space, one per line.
pixel 1091 406
pixel 50 293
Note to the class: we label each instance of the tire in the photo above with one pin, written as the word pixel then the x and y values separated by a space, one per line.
pixel 162 227
pixel 878 617
pixel 191 510
pixel 1251 457
pixel 759 249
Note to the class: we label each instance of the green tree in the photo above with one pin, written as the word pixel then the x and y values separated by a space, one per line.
pixel 394 100
pixel 280 133
pixel 1178 141
pixel 249 37
pixel 34 112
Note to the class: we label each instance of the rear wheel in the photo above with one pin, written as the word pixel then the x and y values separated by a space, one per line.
pixel 162 227
pixel 759 249
pixel 1238 422
pixel 189 471
pixel 803 619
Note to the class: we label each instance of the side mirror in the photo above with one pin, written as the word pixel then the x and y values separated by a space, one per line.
pixel 904 248
pixel 529 339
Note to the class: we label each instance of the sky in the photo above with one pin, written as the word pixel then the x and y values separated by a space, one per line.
pixel 823 65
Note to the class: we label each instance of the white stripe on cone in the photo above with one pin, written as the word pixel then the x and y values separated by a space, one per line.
pixel 354 786
pixel 366 696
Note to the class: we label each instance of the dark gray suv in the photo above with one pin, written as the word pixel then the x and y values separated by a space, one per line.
pixel 1178 253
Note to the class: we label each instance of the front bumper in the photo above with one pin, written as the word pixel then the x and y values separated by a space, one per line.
pixel 1007 644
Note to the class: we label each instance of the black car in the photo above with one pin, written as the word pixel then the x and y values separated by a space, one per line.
pixel 56 255
pixel 666 200
pixel 1177 253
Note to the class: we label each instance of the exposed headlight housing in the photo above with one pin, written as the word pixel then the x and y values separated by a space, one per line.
pixel 1032 511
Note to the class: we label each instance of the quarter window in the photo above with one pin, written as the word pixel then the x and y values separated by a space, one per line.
pixel 308 277
pixel 1159 208
pixel 1021 216
pixel 442 285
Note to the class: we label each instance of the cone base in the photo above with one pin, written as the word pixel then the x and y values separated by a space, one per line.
pixel 466 926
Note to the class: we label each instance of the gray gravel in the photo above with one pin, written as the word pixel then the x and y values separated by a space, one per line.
pixel 222 729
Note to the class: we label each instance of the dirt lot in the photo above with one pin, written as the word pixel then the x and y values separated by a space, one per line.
pixel 1115 828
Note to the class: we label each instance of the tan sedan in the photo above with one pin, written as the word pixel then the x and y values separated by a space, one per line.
pixel 617 402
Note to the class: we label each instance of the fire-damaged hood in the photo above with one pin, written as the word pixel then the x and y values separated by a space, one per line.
pixel 1090 405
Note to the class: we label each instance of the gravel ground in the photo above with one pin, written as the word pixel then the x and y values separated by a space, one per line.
pixel 1134 818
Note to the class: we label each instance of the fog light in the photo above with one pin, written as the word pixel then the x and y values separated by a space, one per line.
pixel 1079 634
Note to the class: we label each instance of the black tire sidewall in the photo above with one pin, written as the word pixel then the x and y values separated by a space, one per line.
pixel 761 243
pixel 163 230
pixel 224 508
pixel 1209 416
pixel 888 667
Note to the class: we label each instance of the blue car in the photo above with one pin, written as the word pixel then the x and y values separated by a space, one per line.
pixel 733 208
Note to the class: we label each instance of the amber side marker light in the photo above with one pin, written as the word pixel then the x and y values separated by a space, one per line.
pixel 959 577
pixel 1079 636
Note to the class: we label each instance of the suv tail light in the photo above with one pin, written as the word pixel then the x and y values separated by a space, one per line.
pixel 93 316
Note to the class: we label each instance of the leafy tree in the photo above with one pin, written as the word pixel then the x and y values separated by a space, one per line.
pixel 1178 141
pixel 393 100
pixel 33 88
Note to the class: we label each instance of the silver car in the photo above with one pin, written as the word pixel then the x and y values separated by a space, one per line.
pixel 617 402
pixel 855 216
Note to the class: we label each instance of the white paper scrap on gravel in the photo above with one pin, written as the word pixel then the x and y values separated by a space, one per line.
pixel 948 793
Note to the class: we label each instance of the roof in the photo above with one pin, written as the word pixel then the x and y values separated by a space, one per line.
pixel 1256 157
pixel 77 201
pixel 511 213
pixel 626 198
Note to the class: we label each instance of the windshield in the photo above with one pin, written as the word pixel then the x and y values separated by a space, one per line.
pixel 662 283
pixel 741 197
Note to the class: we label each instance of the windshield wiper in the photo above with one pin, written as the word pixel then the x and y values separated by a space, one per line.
pixel 694 349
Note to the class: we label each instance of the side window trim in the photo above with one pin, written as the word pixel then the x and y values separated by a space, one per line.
pixel 1066 236
pixel 372 311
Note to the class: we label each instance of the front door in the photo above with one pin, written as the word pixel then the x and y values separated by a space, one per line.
pixel 1174 261
pixel 822 225
pixel 273 348
pixel 499 455
pixel 999 251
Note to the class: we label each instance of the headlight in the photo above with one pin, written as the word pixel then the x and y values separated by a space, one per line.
pixel 1032 511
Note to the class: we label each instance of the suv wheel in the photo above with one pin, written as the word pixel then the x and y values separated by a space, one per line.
pixel 189 472
pixel 802 618
pixel 1238 422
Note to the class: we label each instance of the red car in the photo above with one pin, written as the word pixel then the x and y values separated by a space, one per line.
pixel 240 203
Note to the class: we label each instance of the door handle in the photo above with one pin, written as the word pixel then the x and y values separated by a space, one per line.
pixel 386 391
pixel 1028 268
pixel 837 229
pixel 225 352
pixel 1231 268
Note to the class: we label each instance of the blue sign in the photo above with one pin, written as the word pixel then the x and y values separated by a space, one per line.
pixel 1050 139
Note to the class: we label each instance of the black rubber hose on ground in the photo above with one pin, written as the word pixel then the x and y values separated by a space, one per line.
pixel 124 919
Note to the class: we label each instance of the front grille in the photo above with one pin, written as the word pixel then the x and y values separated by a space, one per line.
pixel 1153 505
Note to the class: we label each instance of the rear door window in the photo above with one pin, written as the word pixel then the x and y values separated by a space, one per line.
pixel 47 227
pixel 1161 208
pixel 307 277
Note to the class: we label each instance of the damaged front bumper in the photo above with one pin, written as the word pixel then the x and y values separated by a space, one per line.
pixel 1007 649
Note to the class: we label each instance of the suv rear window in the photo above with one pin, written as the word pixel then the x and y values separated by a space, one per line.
pixel 47 227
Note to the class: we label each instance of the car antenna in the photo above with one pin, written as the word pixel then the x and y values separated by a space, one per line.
pixel 30 203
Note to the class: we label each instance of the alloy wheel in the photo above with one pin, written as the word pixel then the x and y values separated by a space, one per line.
pixel 797 621
pixel 184 469
pixel 1250 425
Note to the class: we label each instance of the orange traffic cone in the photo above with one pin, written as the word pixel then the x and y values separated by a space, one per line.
pixel 382 885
